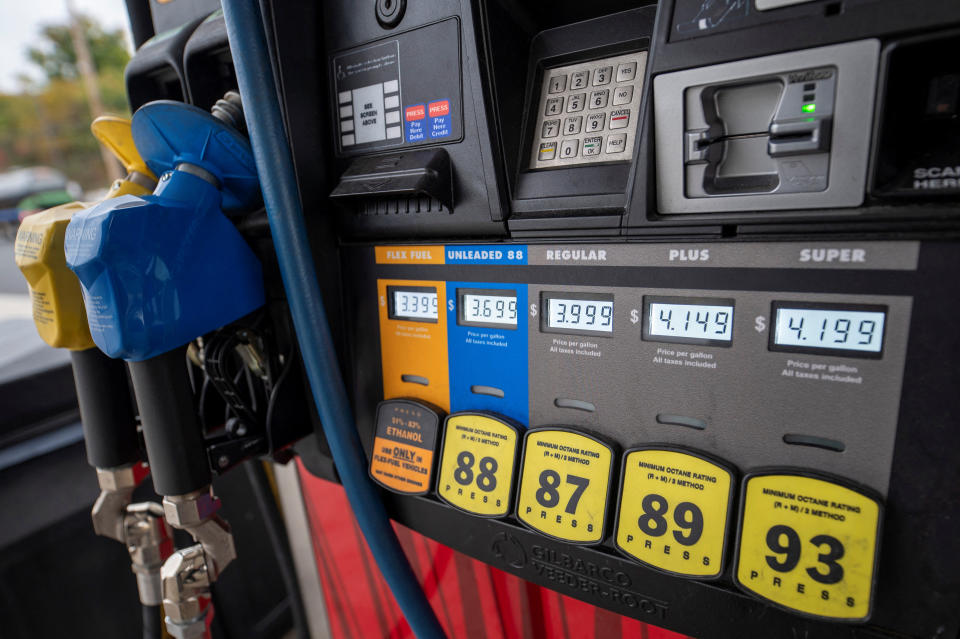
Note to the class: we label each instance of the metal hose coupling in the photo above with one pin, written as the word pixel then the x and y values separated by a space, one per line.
pixel 229 110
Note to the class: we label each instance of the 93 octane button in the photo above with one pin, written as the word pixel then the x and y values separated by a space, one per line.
pixel 477 463
pixel 809 544
pixel 674 511
pixel 565 484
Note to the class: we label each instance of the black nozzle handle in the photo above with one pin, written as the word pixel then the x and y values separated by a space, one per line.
pixel 106 409
pixel 171 428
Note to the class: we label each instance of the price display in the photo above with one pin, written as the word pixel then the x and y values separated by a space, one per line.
pixel 417 303
pixel 855 331
pixel 403 446
pixel 809 545
pixel 674 511
pixel 564 485
pixel 577 313
pixel 477 463
pixel 688 320
pixel 491 308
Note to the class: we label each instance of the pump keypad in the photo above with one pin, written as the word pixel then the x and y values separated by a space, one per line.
pixel 600 101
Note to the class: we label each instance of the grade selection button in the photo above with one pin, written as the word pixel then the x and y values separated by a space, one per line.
pixel 403 448
pixel 809 544
pixel 477 463
pixel 674 511
pixel 565 484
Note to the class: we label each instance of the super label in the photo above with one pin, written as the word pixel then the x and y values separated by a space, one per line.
pixel 809 545
pixel 477 463
pixel 674 512
pixel 564 485
pixel 403 446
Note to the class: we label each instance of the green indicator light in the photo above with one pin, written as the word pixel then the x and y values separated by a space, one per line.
pixel 811 119
pixel 809 108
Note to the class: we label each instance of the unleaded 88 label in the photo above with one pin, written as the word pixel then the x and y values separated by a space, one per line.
pixel 809 545
pixel 564 485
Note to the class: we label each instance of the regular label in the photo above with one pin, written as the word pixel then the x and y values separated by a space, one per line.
pixel 477 464
pixel 403 447
pixel 674 511
pixel 809 545
pixel 564 485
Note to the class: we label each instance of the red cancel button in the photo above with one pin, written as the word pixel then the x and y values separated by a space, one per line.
pixel 441 107
pixel 415 112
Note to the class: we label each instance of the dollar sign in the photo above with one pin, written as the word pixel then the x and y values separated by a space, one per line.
pixel 634 316
pixel 450 304
pixel 383 301
pixel 533 310
pixel 760 323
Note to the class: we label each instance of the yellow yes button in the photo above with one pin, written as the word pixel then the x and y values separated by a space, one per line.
pixel 477 463
pixel 674 511
pixel 809 544
pixel 564 485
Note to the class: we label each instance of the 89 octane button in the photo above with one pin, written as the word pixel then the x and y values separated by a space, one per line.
pixel 403 446
pixel 477 463
pixel 674 511
pixel 564 485
pixel 809 544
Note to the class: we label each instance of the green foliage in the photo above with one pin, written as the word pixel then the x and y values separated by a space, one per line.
pixel 58 59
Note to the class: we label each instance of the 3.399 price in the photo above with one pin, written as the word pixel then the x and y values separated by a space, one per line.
pixel 784 542
pixel 548 496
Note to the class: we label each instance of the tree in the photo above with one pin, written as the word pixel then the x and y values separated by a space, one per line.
pixel 57 57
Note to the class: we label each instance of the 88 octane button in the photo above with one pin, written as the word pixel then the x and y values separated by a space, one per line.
pixel 565 485
pixel 809 544
pixel 477 463
pixel 674 511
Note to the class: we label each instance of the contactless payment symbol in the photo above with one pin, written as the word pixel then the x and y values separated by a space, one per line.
pixel 564 485
pixel 809 545
pixel 477 463
pixel 674 511
pixel 403 448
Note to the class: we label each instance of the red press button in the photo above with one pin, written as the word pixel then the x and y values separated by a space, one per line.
pixel 441 107
pixel 415 112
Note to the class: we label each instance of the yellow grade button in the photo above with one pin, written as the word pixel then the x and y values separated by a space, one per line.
pixel 809 544
pixel 564 485
pixel 674 511
pixel 477 463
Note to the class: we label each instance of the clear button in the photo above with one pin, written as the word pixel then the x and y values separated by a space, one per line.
pixel 548 151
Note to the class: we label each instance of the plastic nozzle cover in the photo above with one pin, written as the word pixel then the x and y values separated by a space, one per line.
pixel 160 270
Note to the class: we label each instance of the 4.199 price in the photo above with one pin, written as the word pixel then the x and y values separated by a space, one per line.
pixel 548 496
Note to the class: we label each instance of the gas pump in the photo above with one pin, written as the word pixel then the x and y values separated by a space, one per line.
pixel 106 408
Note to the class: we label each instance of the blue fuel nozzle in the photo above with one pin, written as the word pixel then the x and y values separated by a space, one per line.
pixel 160 270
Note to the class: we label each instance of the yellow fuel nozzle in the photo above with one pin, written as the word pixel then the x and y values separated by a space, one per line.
pixel 58 309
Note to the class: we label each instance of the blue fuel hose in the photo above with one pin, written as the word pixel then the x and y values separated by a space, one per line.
pixel 245 32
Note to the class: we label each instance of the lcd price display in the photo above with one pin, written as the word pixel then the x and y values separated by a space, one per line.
pixel 577 313
pixel 493 308
pixel 688 320
pixel 828 329
pixel 416 303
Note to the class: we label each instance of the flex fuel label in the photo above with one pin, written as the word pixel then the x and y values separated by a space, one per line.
pixel 403 447
pixel 565 485
pixel 674 511
pixel 809 544
pixel 477 463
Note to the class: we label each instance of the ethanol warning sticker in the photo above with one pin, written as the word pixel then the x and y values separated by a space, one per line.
pixel 403 447
pixel 809 545
pixel 477 463
pixel 565 484
pixel 674 512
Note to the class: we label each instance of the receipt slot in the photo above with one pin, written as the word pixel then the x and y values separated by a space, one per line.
pixel 788 131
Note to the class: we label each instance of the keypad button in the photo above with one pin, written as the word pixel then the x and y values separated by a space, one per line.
pixel 602 76
pixel 569 148
pixel 558 84
pixel 548 151
pixel 554 106
pixel 572 125
pixel 623 95
pixel 551 128
pixel 579 80
pixel 575 102
pixel 598 99
pixel 626 71
pixel 619 118
pixel 595 122
pixel 616 143
pixel 592 146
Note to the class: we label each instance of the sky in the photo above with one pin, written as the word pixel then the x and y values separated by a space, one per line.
pixel 20 23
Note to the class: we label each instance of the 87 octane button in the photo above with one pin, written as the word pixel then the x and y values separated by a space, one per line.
pixel 565 484
pixel 477 463
pixel 674 511
pixel 809 544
